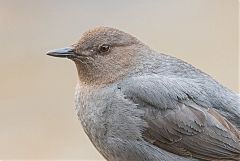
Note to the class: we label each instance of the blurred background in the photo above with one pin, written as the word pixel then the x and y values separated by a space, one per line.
pixel 37 114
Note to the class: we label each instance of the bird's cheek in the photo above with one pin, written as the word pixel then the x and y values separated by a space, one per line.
pixel 88 53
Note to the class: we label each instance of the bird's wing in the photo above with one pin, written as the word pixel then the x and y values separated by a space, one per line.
pixel 176 121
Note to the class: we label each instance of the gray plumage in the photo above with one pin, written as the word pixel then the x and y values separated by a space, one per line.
pixel 139 105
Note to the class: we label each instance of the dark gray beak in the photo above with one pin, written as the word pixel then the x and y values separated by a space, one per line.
pixel 62 52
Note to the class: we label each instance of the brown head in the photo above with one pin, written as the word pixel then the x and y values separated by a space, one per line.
pixel 102 55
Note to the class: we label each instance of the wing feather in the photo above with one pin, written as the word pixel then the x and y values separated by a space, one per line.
pixel 178 123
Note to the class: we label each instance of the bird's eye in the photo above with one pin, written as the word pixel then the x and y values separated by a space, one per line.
pixel 104 48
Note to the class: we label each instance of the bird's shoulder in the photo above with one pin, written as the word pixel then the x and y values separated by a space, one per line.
pixel 164 91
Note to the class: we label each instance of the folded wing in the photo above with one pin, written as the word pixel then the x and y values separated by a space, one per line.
pixel 181 120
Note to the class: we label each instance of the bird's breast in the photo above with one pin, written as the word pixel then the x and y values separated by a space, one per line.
pixel 91 107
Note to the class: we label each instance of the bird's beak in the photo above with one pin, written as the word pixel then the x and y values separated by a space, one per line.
pixel 67 52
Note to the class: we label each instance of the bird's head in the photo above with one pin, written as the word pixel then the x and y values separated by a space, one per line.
pixel 102 54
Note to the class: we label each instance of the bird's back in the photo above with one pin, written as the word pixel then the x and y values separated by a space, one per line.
pixel 214 95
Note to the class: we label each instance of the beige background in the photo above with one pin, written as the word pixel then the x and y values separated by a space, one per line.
pixel 36 91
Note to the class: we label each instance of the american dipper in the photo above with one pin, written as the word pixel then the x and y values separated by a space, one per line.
pixel 136 104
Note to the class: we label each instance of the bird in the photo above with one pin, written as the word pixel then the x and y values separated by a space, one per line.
pixel 136 104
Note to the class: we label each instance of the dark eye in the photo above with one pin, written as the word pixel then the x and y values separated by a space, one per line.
pixel 104 48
